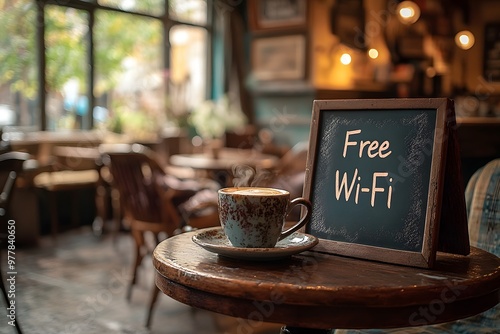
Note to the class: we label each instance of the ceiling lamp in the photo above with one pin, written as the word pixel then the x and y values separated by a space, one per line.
pixel 464 39
pixel 373 53
pixel 345 58
pixel 408 12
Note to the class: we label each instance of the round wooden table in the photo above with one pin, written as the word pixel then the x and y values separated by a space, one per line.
pixel 227 159
pixel 321 291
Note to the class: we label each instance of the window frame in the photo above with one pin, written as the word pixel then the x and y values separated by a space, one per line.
pixel 90 7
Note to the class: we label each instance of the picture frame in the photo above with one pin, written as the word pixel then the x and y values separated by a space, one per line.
pixel 491 53
pixel 279 58
pixel 376 173
pixel 277 14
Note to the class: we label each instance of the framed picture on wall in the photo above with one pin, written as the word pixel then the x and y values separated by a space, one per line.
pixel 279 58
pixel 491 61
pixel 277 14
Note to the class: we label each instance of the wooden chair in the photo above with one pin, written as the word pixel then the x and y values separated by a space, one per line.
pixel 153 202
pixel 11 164
pixel 243 138
pixel 74 169
pixel 290 174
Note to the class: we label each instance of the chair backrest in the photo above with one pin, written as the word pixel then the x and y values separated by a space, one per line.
pixel 75 158
pixel 138 178
pixel 13 161
pixel 482 197
pixel 11 164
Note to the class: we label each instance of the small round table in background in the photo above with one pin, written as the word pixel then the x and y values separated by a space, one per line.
pixel 321 291
pixel 221 167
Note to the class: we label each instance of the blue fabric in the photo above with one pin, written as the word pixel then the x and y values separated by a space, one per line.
pixel 483 207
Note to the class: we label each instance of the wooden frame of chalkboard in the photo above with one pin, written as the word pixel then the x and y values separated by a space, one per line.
pixel 376 173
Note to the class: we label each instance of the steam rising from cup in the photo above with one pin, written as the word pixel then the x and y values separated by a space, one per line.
pixel 246 176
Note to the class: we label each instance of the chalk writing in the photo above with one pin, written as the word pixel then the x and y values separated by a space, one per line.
pixel 372 146
pixel 343 185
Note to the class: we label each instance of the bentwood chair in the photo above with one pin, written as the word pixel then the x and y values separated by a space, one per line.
pixel 156 203
pixel 11 164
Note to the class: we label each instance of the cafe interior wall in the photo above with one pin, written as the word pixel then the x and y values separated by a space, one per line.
pixel 286 106
pixel 363 73
pixel 480 13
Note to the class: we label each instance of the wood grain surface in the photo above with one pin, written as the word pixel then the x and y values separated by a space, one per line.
pixel 317 290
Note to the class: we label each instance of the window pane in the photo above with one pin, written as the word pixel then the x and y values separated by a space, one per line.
pixel 188 73
pixel 129 88
pixel 152 7
pixel 18 75
pixel 67 66
pixel 192 11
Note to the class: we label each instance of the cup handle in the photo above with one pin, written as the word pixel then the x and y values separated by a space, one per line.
pixel 303 221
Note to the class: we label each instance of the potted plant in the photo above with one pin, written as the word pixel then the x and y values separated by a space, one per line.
pixel 211 119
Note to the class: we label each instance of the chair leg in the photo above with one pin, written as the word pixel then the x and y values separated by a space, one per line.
pixel 75 200
pixel 154 297
pixel 116 212
pixel 101 210
pixel 54 215
pixel 139 242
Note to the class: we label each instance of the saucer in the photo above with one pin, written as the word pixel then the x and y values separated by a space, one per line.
pixel 214 240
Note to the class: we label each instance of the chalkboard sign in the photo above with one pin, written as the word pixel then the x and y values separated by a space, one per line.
pixel 375 176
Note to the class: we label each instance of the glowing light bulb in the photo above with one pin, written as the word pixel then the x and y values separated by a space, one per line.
pixel 373 53
pixel 464 39
pixel 408 11
pixel 345 59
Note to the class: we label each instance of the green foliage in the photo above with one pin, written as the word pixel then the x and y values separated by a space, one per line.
pixel 65 46
pixel 117 36
pixel 17 45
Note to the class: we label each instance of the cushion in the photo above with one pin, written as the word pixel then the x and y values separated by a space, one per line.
pixel 63 180
pixel 482 197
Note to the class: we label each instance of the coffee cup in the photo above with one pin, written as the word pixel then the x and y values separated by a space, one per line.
pixel 253 217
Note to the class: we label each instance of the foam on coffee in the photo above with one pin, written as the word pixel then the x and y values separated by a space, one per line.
pixel 255 191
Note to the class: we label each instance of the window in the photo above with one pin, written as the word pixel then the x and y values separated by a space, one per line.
pixel 128 65
pixel 129 77
pixel 18 71
pixel 192 11
pixel 152 7
pixel 66 102
pixel 188 55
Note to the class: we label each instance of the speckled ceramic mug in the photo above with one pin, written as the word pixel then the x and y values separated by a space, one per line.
pixel 253 217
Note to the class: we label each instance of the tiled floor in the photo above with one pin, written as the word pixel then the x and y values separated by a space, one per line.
pixel 78 286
